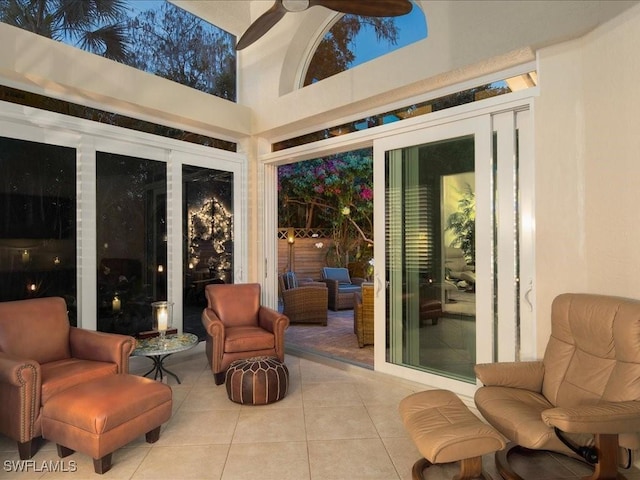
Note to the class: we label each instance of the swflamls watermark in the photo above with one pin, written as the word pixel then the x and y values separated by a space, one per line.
pixel 42 466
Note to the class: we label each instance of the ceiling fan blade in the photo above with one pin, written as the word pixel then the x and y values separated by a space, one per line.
pixel 262 25
pixel 368 8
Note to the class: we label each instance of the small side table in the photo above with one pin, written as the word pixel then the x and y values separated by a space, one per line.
pixel 151 347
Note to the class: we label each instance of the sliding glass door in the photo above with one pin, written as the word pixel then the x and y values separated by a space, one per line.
pixel 113 220
pixel 442 295
pixel 208 238
pixel 131 234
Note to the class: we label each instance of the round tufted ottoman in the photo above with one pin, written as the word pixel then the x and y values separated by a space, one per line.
pixel 257 380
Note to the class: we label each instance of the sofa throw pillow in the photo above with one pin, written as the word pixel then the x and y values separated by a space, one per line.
pixel 337 273
pixel 290 280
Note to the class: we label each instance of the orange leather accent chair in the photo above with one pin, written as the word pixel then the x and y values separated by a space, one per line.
pixel 587 387
pixel 41 354
pixel 238 326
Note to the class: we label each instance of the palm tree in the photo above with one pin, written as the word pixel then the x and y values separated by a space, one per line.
pixel 98 26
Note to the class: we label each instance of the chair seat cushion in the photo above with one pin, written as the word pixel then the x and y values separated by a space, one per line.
pixel 349 289
pixel 517 414
pixel 62 374
pixel 247 338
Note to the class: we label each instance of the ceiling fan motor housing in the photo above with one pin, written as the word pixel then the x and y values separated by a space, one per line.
pixel 295 5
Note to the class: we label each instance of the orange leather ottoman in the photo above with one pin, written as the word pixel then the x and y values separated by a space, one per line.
pixel 102 415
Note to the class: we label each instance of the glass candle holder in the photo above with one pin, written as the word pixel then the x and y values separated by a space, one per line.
pixel 162 314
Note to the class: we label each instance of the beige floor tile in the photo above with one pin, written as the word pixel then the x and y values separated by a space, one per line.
pixel 387 420
pixel 331 423
pixel 330 395
pixel 267 461
pixel 403 454
pixel 257 424
pixel 378 392
pixel 201 462
pixel 364 459
pixel 212 427
pixel 314 372
pixel 202 399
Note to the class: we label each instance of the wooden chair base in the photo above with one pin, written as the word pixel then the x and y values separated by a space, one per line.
pixel 606 469
pixel 470 468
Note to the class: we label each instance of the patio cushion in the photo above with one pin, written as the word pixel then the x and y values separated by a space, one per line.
pixel 290 280
pixel 349 288
pixel 336 273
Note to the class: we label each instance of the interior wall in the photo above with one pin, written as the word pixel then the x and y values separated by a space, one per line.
pixel 466 39
pixel 586 153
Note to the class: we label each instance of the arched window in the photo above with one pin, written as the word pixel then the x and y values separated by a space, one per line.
pixel 353 40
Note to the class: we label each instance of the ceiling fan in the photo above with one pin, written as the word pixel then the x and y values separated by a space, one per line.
pixel 366 8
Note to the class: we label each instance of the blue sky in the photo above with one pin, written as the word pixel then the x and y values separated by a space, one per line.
pixel 412 27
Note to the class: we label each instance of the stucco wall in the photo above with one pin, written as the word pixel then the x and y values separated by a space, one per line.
pixel 587 152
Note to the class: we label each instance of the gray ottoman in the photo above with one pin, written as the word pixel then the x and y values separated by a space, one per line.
pixel 257 380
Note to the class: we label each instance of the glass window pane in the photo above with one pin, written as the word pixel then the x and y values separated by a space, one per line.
pixel 154 36
pixel 354 40
pixel 131 206
pixel 208 238
pixel 430 250
pixel 37 222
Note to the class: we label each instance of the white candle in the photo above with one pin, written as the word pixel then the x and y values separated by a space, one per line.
pixel 115 304
pixel 162 319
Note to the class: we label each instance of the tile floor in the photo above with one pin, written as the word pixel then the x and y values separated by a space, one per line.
pixel 337 422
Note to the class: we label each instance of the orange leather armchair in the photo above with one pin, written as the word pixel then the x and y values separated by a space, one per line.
pixel 41 355
pixel 238 326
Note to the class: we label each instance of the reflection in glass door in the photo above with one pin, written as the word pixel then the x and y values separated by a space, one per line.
pixel 131 234
pixel 208 238
pixel 430 253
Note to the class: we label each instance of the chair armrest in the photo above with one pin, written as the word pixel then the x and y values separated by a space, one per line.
pixel 603 418
pixel 18 371
pixel 525 375
pixel 311 283
pixel 102 347
pixel 20 388
pixel 331 284
pixel 357 280
pixel 272 320
pixel 212 323
pixel 215 329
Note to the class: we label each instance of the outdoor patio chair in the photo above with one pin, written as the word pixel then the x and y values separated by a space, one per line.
pixel 304 301
pixel 363 308
pixel 341 287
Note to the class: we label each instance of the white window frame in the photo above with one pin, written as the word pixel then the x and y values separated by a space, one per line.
pixel 88 137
